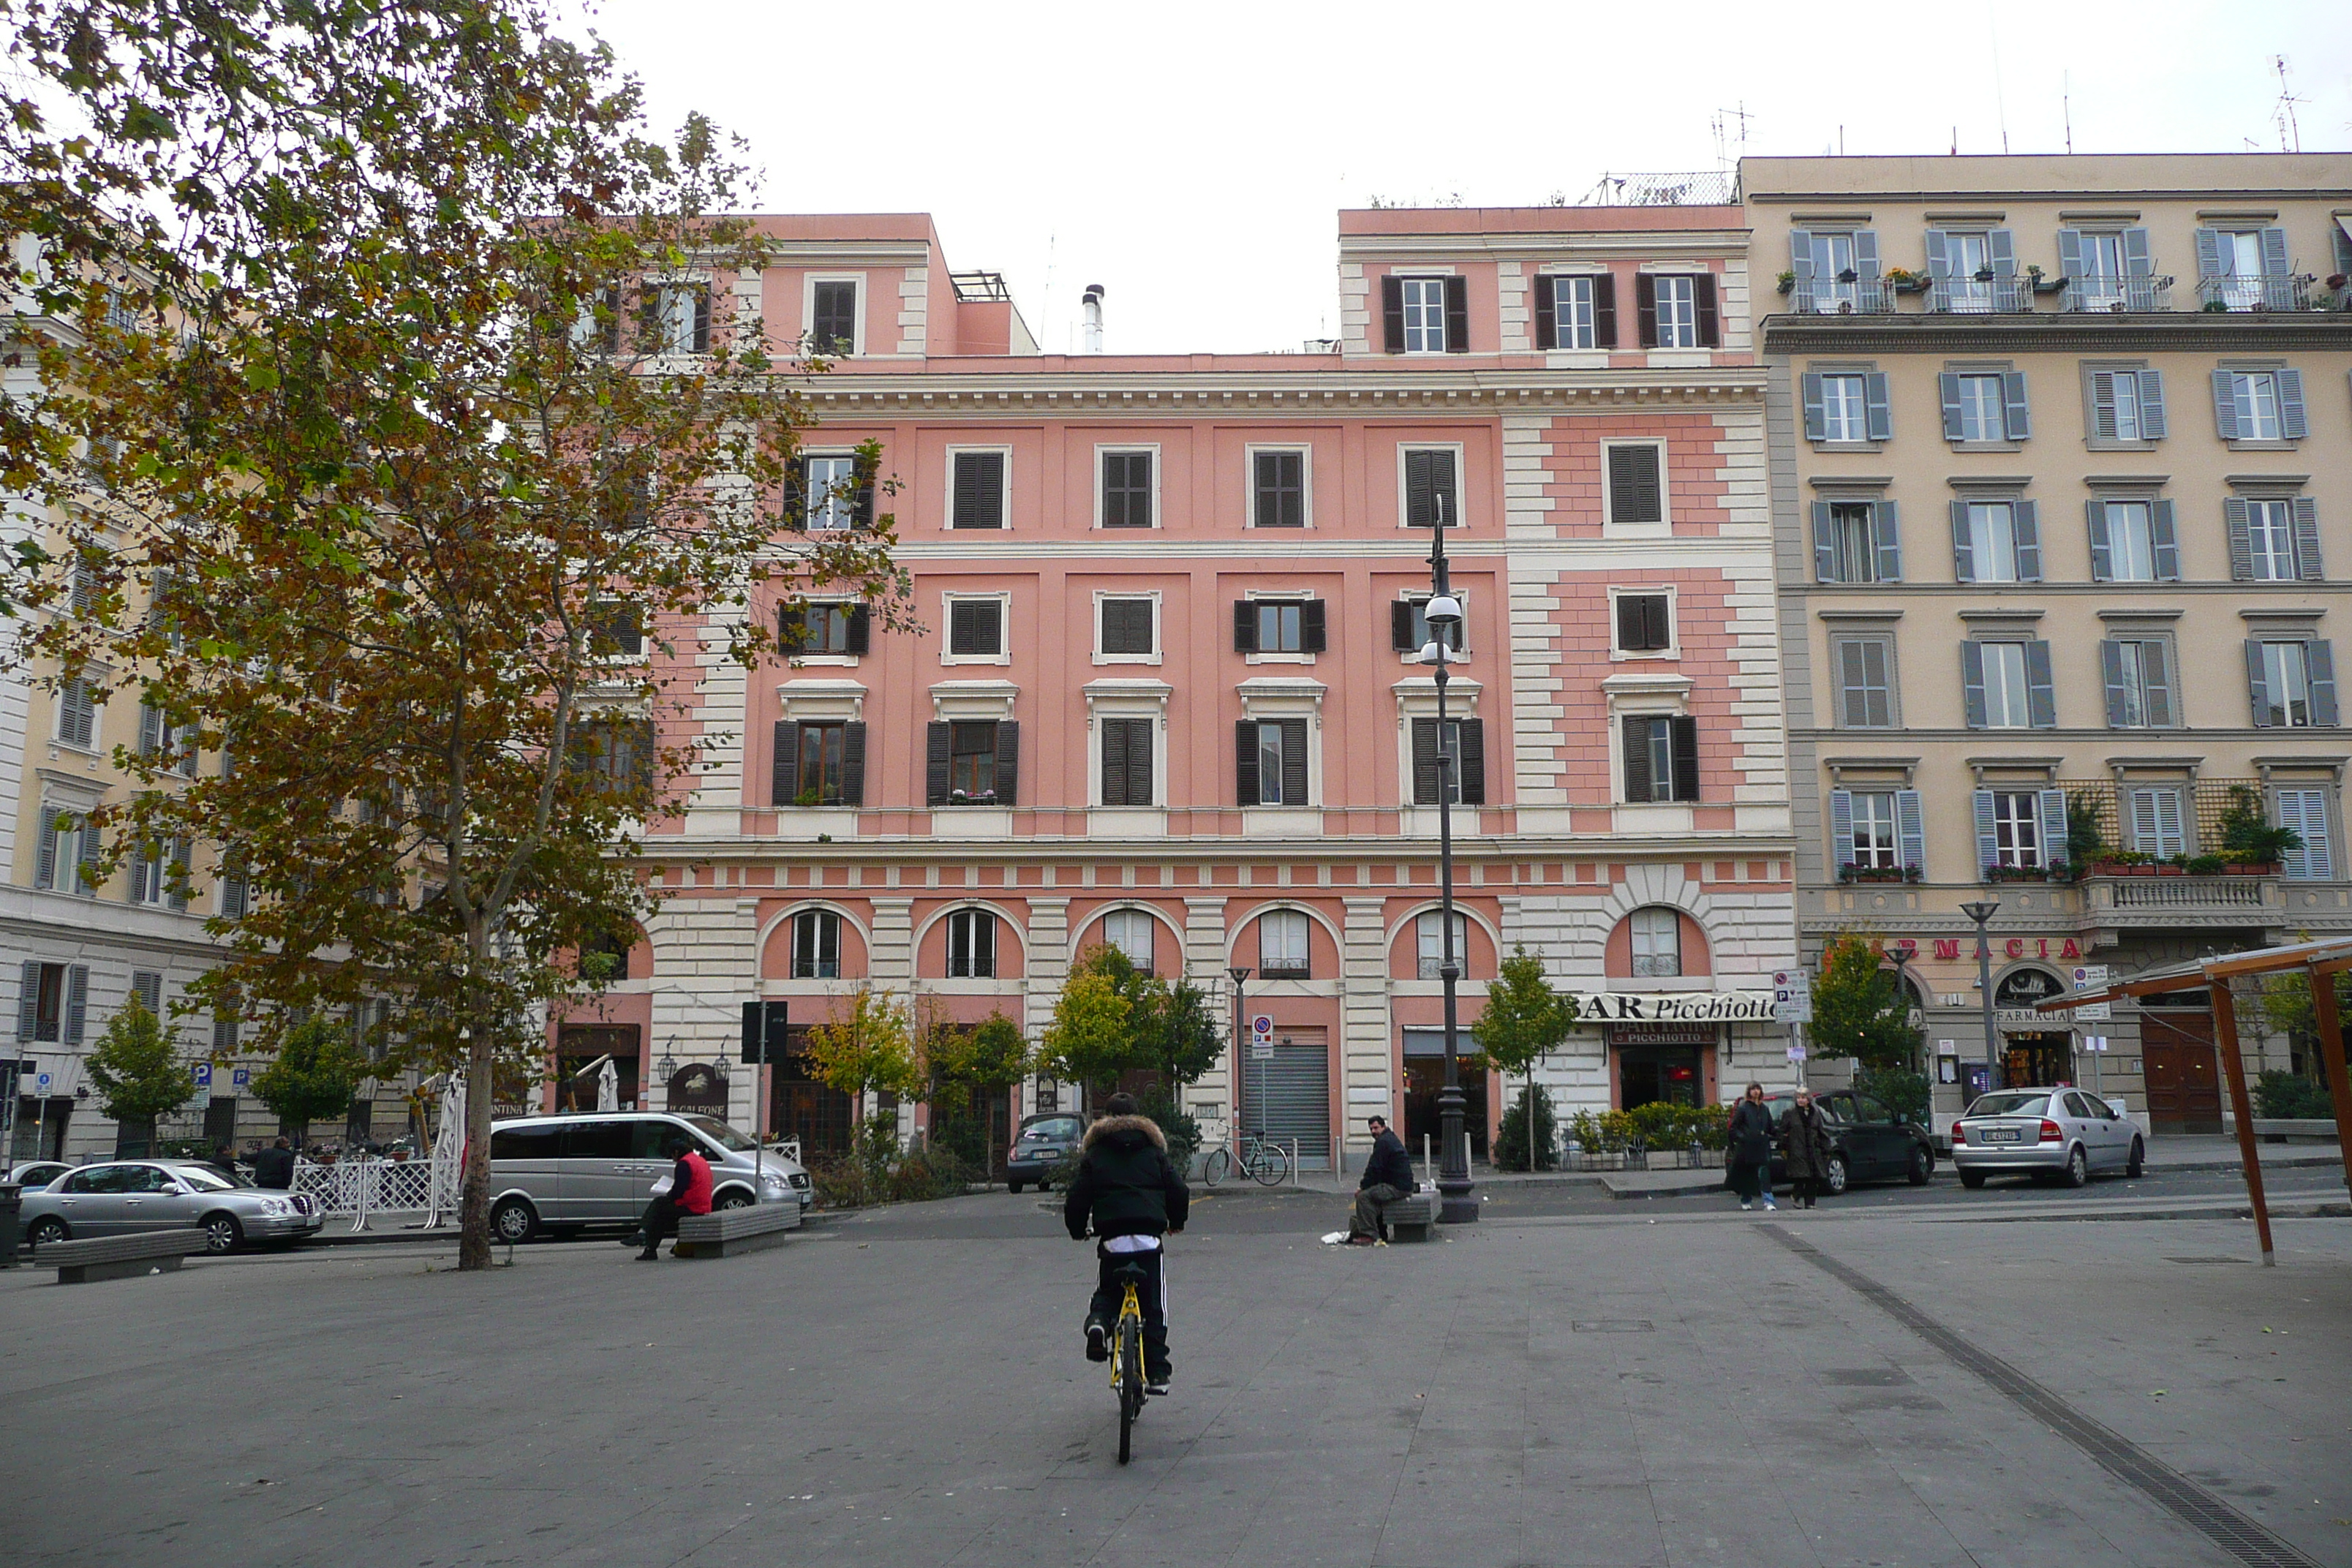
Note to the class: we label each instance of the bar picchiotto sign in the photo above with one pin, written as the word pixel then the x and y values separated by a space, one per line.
pixel 1673 1007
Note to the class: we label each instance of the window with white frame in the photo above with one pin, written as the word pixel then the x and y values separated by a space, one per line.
pixel 1849 549
pixel 832 496
pixel 2139 682
pixel 1874 843
pixel 1677 312
pixel 2131 541
pixel 2285 694
pixel 2254 399
pixel 681 318
pixel 1127 489
pixel 1994 540
pixel 976 629
pixel 1127 748
pixel 1278 489
pixel 1865 683
pixel 976 489
pixel 2007 701
pixel 1965 255
pixel 971 945
pixel 2304 811
pixel 1658 941
pixel 1132 932
pixel 1573 312
pixel 816 946
pixel 1425 315
pixel 2270 540
pixel 2017 828
pixel 1129 626
pixel 833 317
pixel 2158 825
pixel 1844 407
pixel 1282 945
pixel 1429 934
pixel 1983 407
pixel 78 713
pixel 146 870
pixel 1409 624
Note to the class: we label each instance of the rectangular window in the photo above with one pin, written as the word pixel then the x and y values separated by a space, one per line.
pixel 1846 416
pixel 2007 704
pixel 822 749
pixel 1408 624
pixel 2016 826
pixel 1849 551
pixel 2306 812
pixel 976 629
pixel 1127 761
pixel 1282 945
pixel 820 629
pixel 68 844
pixel 1573 312
pixel 1661 757
pixel 615 628
pixel 816 946
pixel 1127 490
pixel 2131 541
pixel 2139 682
pixel 972 759
pixel 2158 825
pixel 2123 403
pixel 1278 489
pixel 147 875
pixel 1130 627
pixel 1273 762
pixel 2286 684
pixel 2102 279
pixel 1279 624
pixel 1657 942
pixel 1966 255
pixel 1678 312
pixel 77 714
pixel 2255 398
pixel 978 490
pixel 681 318
pixel 1431 491
pixel 831 496
pixel 1457 755
pixel 1992 541
pixel 971 945
pixel 1865 690
pixel 1874 828
pixel 1132 932
pixel 833 317
pixel 2270 538
pixel 1635 492
pixel 1982 403
pixel 1429 943
pixel 1645 623
pixel 1425 315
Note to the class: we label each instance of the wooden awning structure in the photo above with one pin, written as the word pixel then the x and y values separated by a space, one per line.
pixel 2318 962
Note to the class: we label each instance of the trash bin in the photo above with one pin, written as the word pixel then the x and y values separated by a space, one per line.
pixel 12 1199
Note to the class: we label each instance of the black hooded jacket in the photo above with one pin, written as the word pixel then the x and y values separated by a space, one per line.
pixel 1126 1183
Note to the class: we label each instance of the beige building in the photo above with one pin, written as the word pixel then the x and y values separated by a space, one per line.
pixel 2062 499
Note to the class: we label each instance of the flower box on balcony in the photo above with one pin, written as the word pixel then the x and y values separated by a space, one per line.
pixel 2267 870
pixel 1874 874
pixel 2119 868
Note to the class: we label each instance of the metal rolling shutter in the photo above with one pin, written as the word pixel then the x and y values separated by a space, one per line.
pixel 1289 1094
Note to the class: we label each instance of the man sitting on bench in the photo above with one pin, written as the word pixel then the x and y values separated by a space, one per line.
pixel 1388 1176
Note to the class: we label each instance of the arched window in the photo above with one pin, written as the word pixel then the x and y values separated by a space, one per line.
pixel 971 945
pixel 1658 933
pixel 1282 945
pixel 1131 932
pixel 1431 937
pixel 816 946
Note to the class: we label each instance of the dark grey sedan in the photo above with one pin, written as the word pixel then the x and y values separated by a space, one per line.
pixel 125 1196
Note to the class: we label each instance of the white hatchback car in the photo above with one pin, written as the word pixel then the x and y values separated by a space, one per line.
pixel 2050 1134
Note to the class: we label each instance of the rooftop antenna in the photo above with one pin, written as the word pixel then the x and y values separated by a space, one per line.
pixel 2066 108
pixel 2290 133
pixel 1730 127
pixel 2000 100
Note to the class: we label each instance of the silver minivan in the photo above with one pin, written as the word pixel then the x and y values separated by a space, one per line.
pixel 560 1173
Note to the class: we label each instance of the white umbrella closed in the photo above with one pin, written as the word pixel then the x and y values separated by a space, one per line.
pixel 608 1087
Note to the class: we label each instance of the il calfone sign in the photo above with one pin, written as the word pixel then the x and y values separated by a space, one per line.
pixel 1673 1007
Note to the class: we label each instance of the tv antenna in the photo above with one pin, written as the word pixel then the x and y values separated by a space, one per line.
pixel 1730 127
pixel 2290 135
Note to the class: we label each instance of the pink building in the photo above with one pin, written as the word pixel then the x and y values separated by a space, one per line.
pixel 1166 697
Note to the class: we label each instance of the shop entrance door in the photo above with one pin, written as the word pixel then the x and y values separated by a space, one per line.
pixel 1647 1074
pixel 1289 1094
pixel 2037 1060
pixel 2184 1081
pixel 1424 1074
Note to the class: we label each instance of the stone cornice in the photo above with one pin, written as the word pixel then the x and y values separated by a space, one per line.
pixel 2073 331
pixel 1278 392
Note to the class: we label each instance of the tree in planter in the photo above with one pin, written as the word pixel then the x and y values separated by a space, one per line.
pixel 406 369
pixel 1525 1020
pixel 140 1074
pixel 313 1076
pixel 964 1063
pixel 2247 839
pixel 1857 1010
pixel 1113 1019
pixel 867 1047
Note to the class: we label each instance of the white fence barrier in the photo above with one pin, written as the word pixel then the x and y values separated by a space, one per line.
pixel 363 1186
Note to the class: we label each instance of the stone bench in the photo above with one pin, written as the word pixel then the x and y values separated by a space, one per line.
pixel 1411 1218
pixel 118 1256
pixel 2274 1131
pixel 747 1230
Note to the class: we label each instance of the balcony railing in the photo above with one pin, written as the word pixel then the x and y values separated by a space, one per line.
pixel 2183 892
pixel 1982 296
pixel 2282 292
pixel 2119 296
pixel 1828 297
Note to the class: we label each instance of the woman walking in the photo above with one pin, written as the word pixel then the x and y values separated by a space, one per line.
pixel 1751 1148
pixel 1806 1139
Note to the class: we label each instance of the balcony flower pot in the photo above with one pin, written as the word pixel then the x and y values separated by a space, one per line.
pixel 2120 868
pixel 2172 870
pixel 2236 869
pixel 1787 283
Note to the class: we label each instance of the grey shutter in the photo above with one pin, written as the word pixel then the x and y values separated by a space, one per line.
pixel 2257 688
pixel 2241 539
pixel 2209 253
pixel 938 736
pixel 1865 254
pixel 1972 689
pixel 1886 530
pixel 1420 489
pixel 1547 311
pixel 2274 256
pixel 2321 675
pixel 1604 311
pixel 1393 312
pixel 1008 762
pixel 1949 384
pixel 859 640
pixel 1244 626
pixel 175 875
pixel 1800 263
pixel 1457 315
pixel 2103 403
pixel 2292 423
pixel 29 1000
pixel 2137 261
pixel 1314 625
pixel 85 880
pixel 1294 761
pixel 1425 773
pixel 1708 319
pixel 1683 750
pixel 2000 249
pixel 2308 564
pixel 1139 762
pixel 2111 666
pixel 1246 785
pixel 2052 809
pixel 2025 528
pixel 1841 826
pixel 702 321
pixel 2151 405
pixel 1470 767
pixel 1629 624
pixel 1817 414
pixel 151 730
pixel 1877 409
pixel 44 870
pixel 1910 830
pixel 2225 405
pixel 2095 512
pixel 77 1003
pixel 1939 266
pixel 852 763
pixel 1639 786
pixel 1964 566
pixel 1114 761
pixel 1824 545
pixel 1401 626
pixel 2040 692
pixel 2156 682
pixel 2069 252
pixel 784 771
pixel 2018 419
pixel 1987 835
pixel 1645 309
pixel 791 628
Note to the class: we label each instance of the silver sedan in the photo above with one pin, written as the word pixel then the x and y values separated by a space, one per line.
pixel 2049 1134
pixel 125 1196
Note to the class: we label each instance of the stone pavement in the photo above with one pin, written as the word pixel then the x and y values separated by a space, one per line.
pixel 904 1388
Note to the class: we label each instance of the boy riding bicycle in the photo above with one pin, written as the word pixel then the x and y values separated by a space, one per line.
pixel 1127 1186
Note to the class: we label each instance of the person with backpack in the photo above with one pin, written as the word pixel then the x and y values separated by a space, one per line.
pixel 1133 1197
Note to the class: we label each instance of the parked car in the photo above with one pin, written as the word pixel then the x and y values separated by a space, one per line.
pixel 125 1196
pixel 2050 1134
pixel 33 1175
pixel 562 1172
pixel 1868 1143
pixel 1046 1146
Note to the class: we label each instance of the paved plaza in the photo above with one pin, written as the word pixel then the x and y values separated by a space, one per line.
pixel 1657 1384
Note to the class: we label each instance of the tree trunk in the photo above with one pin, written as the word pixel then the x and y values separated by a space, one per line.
pixel 474 1191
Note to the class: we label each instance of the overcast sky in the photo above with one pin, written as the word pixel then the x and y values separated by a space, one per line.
pixel 1190 158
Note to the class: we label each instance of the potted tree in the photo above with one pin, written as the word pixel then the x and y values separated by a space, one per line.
pixel 2250 846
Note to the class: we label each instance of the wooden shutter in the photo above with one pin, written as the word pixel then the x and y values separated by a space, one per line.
pixel 151 730
pixel 1824 544
pixel 1392 311
pixel 859 637
pixel 1886 535
pixel 852 763
pixel 1139 762
pixel 2041 693
pixel 1246 785
pixel 2165 536
pixel 1817 413
pixel 791 628
pixel 1312 626
pixel 2274 255
pixel 1878 410
pixel 1471 738
pixel 77 1007
pixel 1865 254
pixel 2136 260
pixel 1635 730
pixel 2111 667
pixel 1008 762
pixel 1683 748
pixel 1294 761
pixel 702 321
pixel 978 490
pixel 1401 626
pixel 1634 495
pixel 2103 402
pixel 2156 682
pixel 2025 531
pixel 29 1000
pixel 2094 514
pixel 2152 403
pixel 938 736
pixel 1939 269
pixel 2257 684
pixel 1645 309
pixel 2017 418
pixel 2001 252
pixel 1988 832
pixel 1421 489
pixel 2306 812
pixel 1457 315
pixel 785 770
pixel 1973 683
pixel 45 870
pixel 2307 539
pixel 1841 826
pixel 1114 761
pixel 861 503
pixel 2225 405
pixel 2070 253
pixel 1964 561
pixel 1801 266
pixel 1710 331
pixel 1604 311
pixel 1629 624
pixel 1424 762
pixel 176 875
pixel 1910 830
pixel 2052 808
pixel 2319 666
pixel 1245 626
pixel 1949 384
pixel 85 875
pixel 1547 304
pixel 2242 537
pixel 2292 424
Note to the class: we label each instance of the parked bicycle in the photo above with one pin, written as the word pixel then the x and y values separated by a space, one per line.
pixel 1262 1160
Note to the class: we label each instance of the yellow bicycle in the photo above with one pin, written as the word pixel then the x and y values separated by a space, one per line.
pixel 1126 1374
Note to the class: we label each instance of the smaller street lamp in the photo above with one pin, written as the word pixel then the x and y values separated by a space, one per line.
pixel 1981 911
pixel 1240 973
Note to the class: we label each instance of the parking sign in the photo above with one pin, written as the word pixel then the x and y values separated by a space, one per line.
pixel 2091 977
pixel 204 1075
pixel 1792 996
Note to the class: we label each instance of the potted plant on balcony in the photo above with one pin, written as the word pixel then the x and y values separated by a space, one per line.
pixel 1851 873
pixel 2042 285
pixel 2122 863
pixel 2205 865
pixel 1906 281
pixel 2250 846
pixel 1997 872
pixel 1787 283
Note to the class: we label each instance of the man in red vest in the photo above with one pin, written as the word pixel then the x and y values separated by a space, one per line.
pixel 689 1193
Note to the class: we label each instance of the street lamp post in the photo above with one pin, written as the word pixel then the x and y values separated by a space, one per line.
pixel 1241 975
pixel 1982 912
pixel 1459 1202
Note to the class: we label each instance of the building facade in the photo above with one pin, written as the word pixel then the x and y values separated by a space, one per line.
pixel 2059 489
pixel 1165 693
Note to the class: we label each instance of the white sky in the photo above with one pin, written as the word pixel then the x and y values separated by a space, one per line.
pixel 1190 157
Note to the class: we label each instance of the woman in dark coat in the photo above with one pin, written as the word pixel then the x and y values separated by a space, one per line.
pixel 1751 1148
pixel 1805 1139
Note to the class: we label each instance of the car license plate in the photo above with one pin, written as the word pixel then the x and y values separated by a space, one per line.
pixel 1049 1153
pixel 1998 1136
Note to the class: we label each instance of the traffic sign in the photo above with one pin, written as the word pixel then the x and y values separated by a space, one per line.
pixel 239 1077
pixel 1262 1049
pixel 1261 1026
pixel 1792 997
pixel 2091 977
pixel 204 1075
pixel 1796 1052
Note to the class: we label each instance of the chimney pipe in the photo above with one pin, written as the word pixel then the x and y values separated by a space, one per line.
pixel 1094 299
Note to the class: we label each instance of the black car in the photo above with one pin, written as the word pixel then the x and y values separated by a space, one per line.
pixel 1868 1143
pixel 1047 1144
